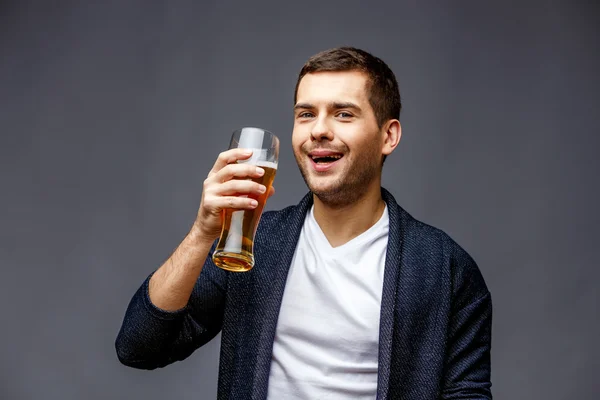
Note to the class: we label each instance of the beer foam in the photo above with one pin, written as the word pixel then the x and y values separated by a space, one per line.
pixel 266 164
pixel 259 163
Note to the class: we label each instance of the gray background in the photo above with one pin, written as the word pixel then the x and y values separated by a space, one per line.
pixel 112 113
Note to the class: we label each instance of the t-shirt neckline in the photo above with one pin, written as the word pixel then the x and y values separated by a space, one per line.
pixel 356 241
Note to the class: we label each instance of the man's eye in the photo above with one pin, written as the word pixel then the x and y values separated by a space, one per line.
pixel 305 115
pixel 345 115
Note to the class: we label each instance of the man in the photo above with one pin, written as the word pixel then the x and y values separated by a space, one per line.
pixel 350 297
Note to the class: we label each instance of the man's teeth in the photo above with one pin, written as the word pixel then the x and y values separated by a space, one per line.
pixel 334 157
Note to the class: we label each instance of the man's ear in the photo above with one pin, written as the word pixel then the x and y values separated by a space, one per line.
pixel 392 133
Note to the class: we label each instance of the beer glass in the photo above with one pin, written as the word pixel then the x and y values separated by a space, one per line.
pixel 234 250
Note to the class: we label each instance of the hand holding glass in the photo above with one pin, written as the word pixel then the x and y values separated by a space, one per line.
pixel 234 251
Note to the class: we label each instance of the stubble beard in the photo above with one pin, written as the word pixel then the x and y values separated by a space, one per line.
pixel 351 185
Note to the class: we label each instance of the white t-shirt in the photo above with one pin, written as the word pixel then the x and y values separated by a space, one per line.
pixel 327 338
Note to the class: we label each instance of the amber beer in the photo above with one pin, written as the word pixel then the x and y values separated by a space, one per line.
pixel 234 250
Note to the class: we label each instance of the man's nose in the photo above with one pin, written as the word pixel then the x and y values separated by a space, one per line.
pixel 321 131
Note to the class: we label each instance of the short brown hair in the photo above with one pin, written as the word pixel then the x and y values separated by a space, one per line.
pixel 382 87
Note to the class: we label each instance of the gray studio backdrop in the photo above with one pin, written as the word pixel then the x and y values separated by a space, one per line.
pixel 112 113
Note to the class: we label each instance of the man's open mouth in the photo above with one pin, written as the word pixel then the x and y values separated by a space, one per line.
pixel 319 159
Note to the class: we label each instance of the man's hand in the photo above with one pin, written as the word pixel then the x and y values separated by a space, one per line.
pixel 227 187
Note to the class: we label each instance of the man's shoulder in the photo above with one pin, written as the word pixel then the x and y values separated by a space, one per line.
pixel 278 218
pixel 418 233
pixel 427 242
pixel 288 218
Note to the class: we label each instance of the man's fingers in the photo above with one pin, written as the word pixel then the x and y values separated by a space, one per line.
pixel 239 187
pixel 239 171
pixel 230 157
pixel 234 203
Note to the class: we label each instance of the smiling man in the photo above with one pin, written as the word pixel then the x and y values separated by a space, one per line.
pixel 350 296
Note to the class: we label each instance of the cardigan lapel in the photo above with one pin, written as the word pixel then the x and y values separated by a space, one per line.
pixel 277 252
pixel 388 297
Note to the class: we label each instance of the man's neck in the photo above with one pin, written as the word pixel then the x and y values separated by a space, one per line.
pixel 340 224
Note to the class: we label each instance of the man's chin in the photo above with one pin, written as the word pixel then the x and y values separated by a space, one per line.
pixel 327 188
pixel 330 194
pixel 320 186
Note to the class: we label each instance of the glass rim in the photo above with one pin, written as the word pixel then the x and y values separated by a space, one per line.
pixel 239 130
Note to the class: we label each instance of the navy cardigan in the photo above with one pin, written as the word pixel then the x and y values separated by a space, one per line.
pixel 435 325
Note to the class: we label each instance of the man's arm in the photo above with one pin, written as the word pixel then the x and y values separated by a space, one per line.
pixel 153 336
pixel 468 364
pixel 180 307
pixel 468 359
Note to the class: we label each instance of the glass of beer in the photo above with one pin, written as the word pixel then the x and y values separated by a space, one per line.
pixel 234 250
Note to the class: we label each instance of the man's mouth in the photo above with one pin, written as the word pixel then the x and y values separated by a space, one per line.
pixel 322 157
pixel 326 159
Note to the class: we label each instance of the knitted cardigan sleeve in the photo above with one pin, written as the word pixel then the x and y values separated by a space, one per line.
pixel 468 366
pixel 151 337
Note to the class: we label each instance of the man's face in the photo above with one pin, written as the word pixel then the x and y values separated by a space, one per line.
pixel 336 140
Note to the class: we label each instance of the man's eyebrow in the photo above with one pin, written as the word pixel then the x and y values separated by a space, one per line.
pixel 347 104
pixel 335 105
pixel 303 106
